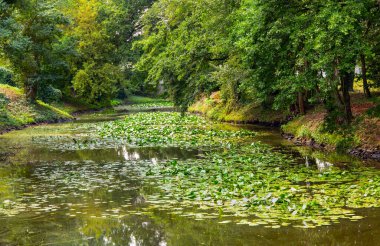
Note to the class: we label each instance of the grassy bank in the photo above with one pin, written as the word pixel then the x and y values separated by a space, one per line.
pixel 16 111
pixel 362 138
pixel 214 108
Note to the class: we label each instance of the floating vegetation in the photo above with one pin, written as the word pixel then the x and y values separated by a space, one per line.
pixel 158 129
pixel 145 106
pixel 171 129
pixel 236 181
pixel 254 180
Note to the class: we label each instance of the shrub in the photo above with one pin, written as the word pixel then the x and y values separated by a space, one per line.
pixel 6 76
pixel 50 94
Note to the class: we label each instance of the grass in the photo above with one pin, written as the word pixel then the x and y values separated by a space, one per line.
pixel 139 103
pixel 11 92
pixel 213 107
pixel 16 111
pixel 70 107
pixel 54 109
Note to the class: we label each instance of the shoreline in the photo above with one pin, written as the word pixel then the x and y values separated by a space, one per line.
pixel 362 153
pixel 22 127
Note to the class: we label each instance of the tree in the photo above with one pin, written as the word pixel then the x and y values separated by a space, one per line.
pixel 121 21
pixel 183 43
pixel 370 52
pixel 104 33
pixel 30 47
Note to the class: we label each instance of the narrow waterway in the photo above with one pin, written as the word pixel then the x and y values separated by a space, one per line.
pixel 51 194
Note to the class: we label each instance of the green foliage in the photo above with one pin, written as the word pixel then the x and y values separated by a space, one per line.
pixel 31 46
pixel 375 111
pixel 6 77
pixel 103 34
pixel 116 102
pixel 69 45
pixel 96 85
pixel 50 94
pixel 282 54
pixel 182 43
pixel 143 100
pixel 237 112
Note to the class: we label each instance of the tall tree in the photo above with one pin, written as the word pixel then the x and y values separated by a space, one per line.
pixel 30 48
pixel 183 42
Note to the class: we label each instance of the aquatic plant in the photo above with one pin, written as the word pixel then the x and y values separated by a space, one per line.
pixel 255 180
pixel 170 129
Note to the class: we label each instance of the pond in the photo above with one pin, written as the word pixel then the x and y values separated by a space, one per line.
pixel 158 179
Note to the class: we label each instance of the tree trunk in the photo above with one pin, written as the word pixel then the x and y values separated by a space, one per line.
pixel 346 79
pixel 301 103
pixel 367 92
pixel 31 92
pixel 351 83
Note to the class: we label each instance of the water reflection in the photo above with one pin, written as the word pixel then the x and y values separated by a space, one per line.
pixel 131 230
pixel 35 154
pixel 320 164
pixel 129 155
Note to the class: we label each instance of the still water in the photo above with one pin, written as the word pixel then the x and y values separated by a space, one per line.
pixel 54 195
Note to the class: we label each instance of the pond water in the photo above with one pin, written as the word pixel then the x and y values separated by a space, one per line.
pixel 53 192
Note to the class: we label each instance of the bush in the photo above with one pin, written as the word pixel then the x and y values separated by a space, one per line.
pixel 6 76
pixel 49 94
pixel 116 102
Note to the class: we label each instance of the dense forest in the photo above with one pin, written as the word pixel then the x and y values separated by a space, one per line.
pixel 283 55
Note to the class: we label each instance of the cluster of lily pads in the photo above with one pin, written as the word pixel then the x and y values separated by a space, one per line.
pixel 166 129
pixel 148 129
pixel 145 106
pixel 253 180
